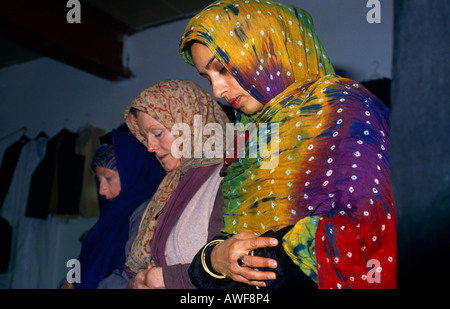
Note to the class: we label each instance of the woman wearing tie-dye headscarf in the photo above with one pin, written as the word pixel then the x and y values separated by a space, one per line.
pixel 328 182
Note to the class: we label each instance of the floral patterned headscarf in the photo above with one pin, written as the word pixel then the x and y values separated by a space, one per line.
pixel 172 102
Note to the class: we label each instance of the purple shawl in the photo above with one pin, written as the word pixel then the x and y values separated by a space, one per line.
pixel 186 189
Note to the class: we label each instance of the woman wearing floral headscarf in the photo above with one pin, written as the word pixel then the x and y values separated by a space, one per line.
pixel 182 213
pixel 329 192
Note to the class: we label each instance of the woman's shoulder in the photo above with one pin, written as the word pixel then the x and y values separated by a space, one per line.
pixel 333 86
pixel 333 81
pixel 326 85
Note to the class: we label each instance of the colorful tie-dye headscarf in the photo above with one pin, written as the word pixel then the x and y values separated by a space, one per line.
pixel 264 57
pixel 331 178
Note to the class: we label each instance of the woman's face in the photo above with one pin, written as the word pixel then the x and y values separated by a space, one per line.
pixel 159 140
pixel 223 83
pixel 109 182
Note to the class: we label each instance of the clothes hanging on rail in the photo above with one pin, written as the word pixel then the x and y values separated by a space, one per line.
pixel 5 240
pixel 87 143
pixel 48 185
pixel 56 183
pixel 14 206
pixel 9 163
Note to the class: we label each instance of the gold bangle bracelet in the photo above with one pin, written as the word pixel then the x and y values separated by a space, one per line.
pixel 221 276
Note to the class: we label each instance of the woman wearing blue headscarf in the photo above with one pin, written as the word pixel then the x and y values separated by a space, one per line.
pixel 128 176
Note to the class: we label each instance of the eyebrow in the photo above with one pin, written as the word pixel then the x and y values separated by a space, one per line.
pixel 209 62
pixel 207 67
pixel 108 172
pixel 152 128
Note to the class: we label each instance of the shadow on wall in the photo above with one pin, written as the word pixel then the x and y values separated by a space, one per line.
pixel 424 254
pixel 380 87
pixel 420 166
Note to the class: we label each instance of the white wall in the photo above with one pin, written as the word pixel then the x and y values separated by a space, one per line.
pixel 47 94
pixel 351 42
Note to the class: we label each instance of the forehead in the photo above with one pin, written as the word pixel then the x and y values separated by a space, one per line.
pixel 201 54
pixel 145 121
pixel 104 170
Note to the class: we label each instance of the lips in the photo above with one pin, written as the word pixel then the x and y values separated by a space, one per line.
pixel 162 156
pixel 235 102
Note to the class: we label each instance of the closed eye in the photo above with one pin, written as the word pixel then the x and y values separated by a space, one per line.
pixel 204 75
pixel 223 70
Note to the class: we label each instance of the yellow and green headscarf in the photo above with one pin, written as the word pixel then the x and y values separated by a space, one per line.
pixel 331 178
pixel 265 57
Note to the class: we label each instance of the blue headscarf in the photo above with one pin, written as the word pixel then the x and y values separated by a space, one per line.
pixel 103 249
pixel 105 156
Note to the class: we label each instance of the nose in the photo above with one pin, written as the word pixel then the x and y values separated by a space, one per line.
pixel 103 189
pixel 220 87
pixel 152 145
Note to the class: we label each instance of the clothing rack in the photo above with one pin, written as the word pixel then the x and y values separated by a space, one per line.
pixel 24 129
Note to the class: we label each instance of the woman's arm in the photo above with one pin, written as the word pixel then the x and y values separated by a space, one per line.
pixel 224 259
pixel 224 256
pixel 288 273
pixel 176 276
pixel 227 253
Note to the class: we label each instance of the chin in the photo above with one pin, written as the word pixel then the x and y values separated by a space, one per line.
pixel 170 163
pixel 170 167
pixel 251 109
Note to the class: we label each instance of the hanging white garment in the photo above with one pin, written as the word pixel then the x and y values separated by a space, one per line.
pixel 22 271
